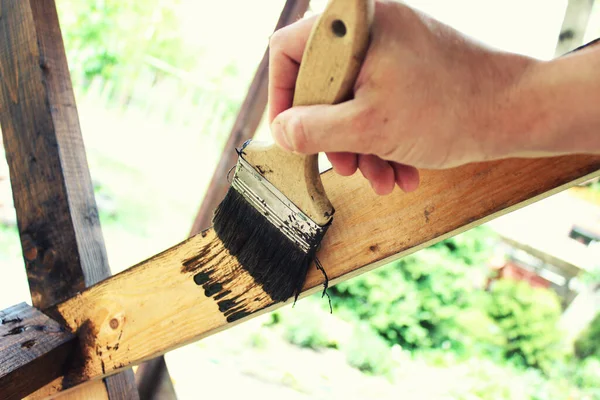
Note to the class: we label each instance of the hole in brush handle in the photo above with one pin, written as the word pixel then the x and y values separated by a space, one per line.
pixel 338 28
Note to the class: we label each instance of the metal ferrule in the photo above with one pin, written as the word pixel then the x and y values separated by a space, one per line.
pixel 275 206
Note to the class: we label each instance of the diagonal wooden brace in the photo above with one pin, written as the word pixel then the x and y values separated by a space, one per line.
pixel 196 289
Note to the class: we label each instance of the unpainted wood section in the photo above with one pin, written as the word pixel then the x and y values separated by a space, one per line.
pixel 33 350
pixel 246 123
pixel 92 390
pixel 196 288
pixel 53 194
pixel 330 65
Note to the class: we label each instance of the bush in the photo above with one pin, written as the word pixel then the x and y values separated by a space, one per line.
pixel 528 320
pixel 587 375
pixel 303 326
pixel 368 352
pixel 588 342
pixel 414 302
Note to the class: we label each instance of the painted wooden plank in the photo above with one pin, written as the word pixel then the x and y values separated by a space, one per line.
pixel 196 288
pixel 57 215
pixel 33 349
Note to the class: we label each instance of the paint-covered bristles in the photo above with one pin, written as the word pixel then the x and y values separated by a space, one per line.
pixel 271 258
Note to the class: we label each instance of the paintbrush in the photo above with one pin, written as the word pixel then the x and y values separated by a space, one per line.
pixel 276 212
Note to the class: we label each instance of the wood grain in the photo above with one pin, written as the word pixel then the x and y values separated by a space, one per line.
pixel 33 349
pixel 56 211
pixel 246 123
pixel 330 65
pixel 196 288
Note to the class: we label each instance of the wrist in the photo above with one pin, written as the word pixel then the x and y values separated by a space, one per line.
pixel 554 107
pixel 508 112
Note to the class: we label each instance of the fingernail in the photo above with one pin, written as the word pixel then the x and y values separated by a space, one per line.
pixel 280 135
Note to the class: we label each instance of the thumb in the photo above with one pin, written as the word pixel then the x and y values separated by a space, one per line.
pixel 341 127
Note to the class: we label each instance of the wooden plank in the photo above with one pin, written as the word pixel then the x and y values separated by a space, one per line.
pixel 92 390
pixel 246 123
pixel 153 380
pixel 196 288
pixel 33 350
pixel 575 22
pixel 53 194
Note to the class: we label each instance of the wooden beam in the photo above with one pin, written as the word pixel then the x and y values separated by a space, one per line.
pixel 33 350
pixel 53 194
pixel 246 123
pixel 153 380
pixel 196 288
pixel 575 22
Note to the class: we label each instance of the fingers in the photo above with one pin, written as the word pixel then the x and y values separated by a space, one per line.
pixel 351 126
pixel 378 172
pixel 344 164
pixel 375 171
pixel 407 177
pixel 285 52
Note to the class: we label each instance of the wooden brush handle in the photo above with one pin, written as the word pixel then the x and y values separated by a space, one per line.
pixel 331 62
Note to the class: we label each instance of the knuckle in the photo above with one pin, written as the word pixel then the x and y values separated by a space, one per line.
pixel 373 133
pixel 276 39
pixel 299 135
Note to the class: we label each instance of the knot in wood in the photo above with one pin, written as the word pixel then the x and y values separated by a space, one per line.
pixel 49 258
pixel 30 249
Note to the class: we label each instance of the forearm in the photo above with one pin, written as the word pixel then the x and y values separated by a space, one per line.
pixel 559 105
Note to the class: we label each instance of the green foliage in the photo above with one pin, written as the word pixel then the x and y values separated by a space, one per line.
pixel 587 375
pixel 527 318
pixel 588 342
pixel 414 302
pixel 482 378
pixel 110 38
pixel 303 326
pixel 368 352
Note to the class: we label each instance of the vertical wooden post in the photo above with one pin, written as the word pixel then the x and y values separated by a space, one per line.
pixel 56 211
pixel 574 25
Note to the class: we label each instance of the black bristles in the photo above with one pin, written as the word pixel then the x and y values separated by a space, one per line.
pixel 272 259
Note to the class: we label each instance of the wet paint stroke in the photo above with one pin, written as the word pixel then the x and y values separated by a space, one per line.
pixel 225 281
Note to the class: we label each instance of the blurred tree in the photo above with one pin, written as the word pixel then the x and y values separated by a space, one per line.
pixel 110 38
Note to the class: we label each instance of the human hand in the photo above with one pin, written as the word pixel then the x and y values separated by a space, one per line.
pixel 426 97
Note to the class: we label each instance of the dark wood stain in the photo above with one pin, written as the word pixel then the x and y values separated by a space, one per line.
pixel 222 294
pixel 238 315
pixel 33 350
pixel 211 290
pixel 201 278
pixel 427 212
pixel 10 320
pixel 219 275
pixel 226 305
pixel 203 257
